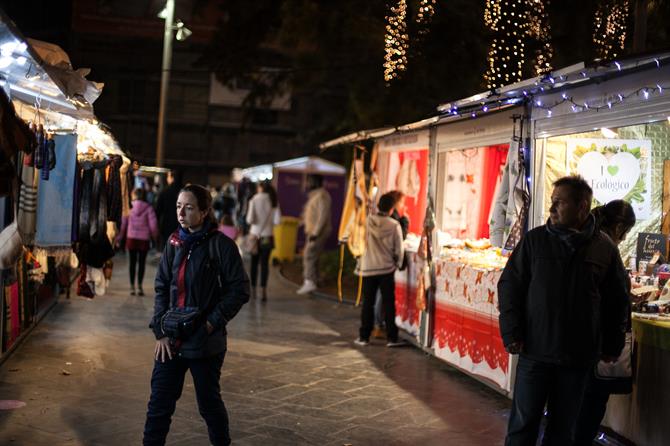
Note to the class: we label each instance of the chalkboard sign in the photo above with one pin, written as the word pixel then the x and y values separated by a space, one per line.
pixel 648 244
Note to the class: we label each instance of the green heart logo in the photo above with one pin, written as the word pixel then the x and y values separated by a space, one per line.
pixel 613 170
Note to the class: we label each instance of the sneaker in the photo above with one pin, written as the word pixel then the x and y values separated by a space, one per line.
pixel 398 343
pixel 307 287
pixel 140 292
pixel 361 342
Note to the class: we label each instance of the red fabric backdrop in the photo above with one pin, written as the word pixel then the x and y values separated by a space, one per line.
pixel 493 162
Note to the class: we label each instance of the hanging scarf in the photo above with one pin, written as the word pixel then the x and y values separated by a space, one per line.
pixel 114 204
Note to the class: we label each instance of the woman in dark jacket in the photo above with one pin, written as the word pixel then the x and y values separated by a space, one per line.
pixel 614 219
pixel 200 272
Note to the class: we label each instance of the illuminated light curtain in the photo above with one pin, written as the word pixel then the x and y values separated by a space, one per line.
pixel 540 31
pixel 509 24
pixel 396 42
pixel 424 16
pixel 609 32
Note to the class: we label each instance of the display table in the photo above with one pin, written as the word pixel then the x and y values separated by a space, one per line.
pixel 642 416
pixel 466 331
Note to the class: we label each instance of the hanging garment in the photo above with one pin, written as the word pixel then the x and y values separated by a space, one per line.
pixel 408 180
pixel 27 215
pixel 84 202
pixel 462 192
pixel 99 224
pixel 49 161
pixel 76 200
pixel 126 185
pixel 40 149
pixel 512 201
pixel 93 203
pixel 114 191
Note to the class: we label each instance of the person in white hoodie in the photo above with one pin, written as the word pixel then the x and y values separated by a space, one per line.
pixel 316 220
pixel 384 254
pixel 263 214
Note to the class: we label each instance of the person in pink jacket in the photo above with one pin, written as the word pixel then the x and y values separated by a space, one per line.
pixel 138 229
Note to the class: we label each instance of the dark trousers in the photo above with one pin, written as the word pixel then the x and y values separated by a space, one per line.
pixel 167 382
pixel 138 259
pixel 539 383
pixel 386 284
pixel 263 257
pixel 591 414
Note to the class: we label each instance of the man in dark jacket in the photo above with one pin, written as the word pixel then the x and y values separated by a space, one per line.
pixel 562 302
pixel 166 212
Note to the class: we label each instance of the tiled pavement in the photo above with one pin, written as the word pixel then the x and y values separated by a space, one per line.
pixel 291 377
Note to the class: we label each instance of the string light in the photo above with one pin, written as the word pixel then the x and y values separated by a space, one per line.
pixel 533 94
pixel 396 42
pixel 609 32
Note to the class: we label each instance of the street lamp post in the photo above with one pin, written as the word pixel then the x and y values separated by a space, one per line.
pixel 165 79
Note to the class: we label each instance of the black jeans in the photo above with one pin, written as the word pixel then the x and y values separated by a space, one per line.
pixel 385 283
pixel 137 259
pixel 538 383
pixel 594 406
pixel 263 257
pixel 167 382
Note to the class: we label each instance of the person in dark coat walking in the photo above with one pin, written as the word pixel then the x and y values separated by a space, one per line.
pixel 562 297
pixel 201 269
pixel 165 207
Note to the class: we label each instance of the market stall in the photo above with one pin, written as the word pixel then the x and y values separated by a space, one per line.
pixel 471 156
pixel 402 165
pixel 610 125
pixel 48 132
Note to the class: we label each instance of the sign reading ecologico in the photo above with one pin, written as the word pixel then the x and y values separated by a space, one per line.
pixel 616 169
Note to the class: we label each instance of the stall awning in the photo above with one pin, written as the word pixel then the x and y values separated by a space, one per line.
pixel 25 76
pixel 359 136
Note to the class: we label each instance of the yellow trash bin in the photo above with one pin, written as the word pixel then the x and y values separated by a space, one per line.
pixel 286 237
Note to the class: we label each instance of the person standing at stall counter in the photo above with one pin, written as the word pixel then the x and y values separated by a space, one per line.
pixel 201 269
pixel 383 255
pixel 316 221
pixel 562 297
pixel 615 220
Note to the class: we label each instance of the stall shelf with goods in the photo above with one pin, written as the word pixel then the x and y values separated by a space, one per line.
pixel 472 156
pixel 612 128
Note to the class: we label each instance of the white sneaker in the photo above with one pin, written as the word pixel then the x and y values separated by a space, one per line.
pixel 307 287
pixel 361 342
pixel 398 343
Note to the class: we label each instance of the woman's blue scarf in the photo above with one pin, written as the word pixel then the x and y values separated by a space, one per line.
pixel 189 238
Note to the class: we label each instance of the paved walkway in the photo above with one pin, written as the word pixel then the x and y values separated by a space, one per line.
pixel 292 376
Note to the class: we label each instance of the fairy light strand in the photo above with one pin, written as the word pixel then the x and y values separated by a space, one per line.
pixel 609 31
pixel 396 42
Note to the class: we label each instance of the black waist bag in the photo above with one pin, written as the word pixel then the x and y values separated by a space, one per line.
pixel 181 323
